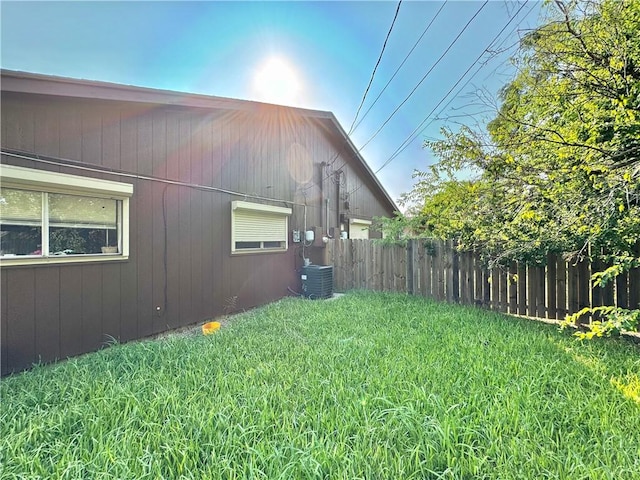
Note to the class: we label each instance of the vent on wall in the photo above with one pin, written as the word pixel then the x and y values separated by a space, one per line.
pixel 317 281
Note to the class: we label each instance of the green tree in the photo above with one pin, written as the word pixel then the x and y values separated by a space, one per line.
pixel 558 167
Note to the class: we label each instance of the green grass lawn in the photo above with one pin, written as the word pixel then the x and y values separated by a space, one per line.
pixel 369 386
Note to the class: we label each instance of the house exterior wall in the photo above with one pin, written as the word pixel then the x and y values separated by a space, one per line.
pixel 180 269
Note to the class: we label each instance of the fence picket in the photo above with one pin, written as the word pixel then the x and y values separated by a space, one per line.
pixel 634 282
pixel 478 280
pixel 502 285
pixel 552 284
pixel 522 289
pixel 513 287
pixel 436 269
pixel 622 292
pixel 448 270
pixel 486 288
pixel 455 271
pixel 572 284
pixel 430 278
pixel 466 278
pixel 532 285
pixel 494 286
pixel 541 305
pixel 584 287
pixel 561 288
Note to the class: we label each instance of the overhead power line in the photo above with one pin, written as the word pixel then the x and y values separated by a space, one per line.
pixel 424 32
pixel 425 75
pixel 418 130
pixel 412 91
pixel 373 74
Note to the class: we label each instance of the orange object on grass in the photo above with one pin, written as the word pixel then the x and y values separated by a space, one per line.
pixel 210 327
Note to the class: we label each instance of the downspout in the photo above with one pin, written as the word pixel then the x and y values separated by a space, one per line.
pixel 339 174
pixel 326 202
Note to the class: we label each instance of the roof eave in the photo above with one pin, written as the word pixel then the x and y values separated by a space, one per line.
pixel 345 137
pixel 35 83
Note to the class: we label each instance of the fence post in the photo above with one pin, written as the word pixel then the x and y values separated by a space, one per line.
pixel 411 259
pixel 634 283
pixel 455 266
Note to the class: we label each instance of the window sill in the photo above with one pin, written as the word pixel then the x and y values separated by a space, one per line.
pixel 253 251
pixel 59 260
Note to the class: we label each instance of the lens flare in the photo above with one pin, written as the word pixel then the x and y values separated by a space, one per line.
pixel 276 81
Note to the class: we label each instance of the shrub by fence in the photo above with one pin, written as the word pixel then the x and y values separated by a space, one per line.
pixel 437 270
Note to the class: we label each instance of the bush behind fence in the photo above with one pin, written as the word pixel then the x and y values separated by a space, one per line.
pixel 435 269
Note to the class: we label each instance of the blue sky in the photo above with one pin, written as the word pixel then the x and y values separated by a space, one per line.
pixel 219 48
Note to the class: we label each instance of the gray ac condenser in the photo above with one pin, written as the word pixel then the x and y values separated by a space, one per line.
pixel 317 281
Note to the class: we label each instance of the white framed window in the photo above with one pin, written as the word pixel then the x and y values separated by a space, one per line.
pixel 50 217
pixel 257 227
pixel 359 228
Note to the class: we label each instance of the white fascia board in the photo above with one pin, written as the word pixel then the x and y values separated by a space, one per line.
pixel 12 176
pixel 360 221
pixel 237 204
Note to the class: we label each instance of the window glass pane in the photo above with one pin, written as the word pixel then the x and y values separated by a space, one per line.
pixel 245 245
pixel 81 225
pixel 81 241
pixel 20 207
pixel 20 222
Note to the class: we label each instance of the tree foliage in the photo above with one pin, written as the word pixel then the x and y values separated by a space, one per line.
pixel 558 167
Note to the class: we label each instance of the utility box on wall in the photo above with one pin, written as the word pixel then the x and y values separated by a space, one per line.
pixel 317 281
pixel 318 239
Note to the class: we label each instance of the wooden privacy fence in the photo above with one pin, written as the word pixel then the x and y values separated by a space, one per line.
pixel 435 269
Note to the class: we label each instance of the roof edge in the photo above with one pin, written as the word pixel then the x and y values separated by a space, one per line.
pixel 43 84
pixel 38 83
pixel 360 158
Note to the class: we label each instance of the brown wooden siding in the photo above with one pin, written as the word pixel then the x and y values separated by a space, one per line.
pixel 180 269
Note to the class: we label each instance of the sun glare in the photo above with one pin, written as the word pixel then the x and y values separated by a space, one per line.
pixel 276 81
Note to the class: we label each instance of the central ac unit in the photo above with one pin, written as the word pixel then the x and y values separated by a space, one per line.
pixel 317 281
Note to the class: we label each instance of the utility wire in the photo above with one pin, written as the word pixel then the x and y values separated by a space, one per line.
pixel 425 75
pixel 415 132
pixel 335 157
pixel 424 32
pixel 65 162
pixel 420 128
pixel 373 74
